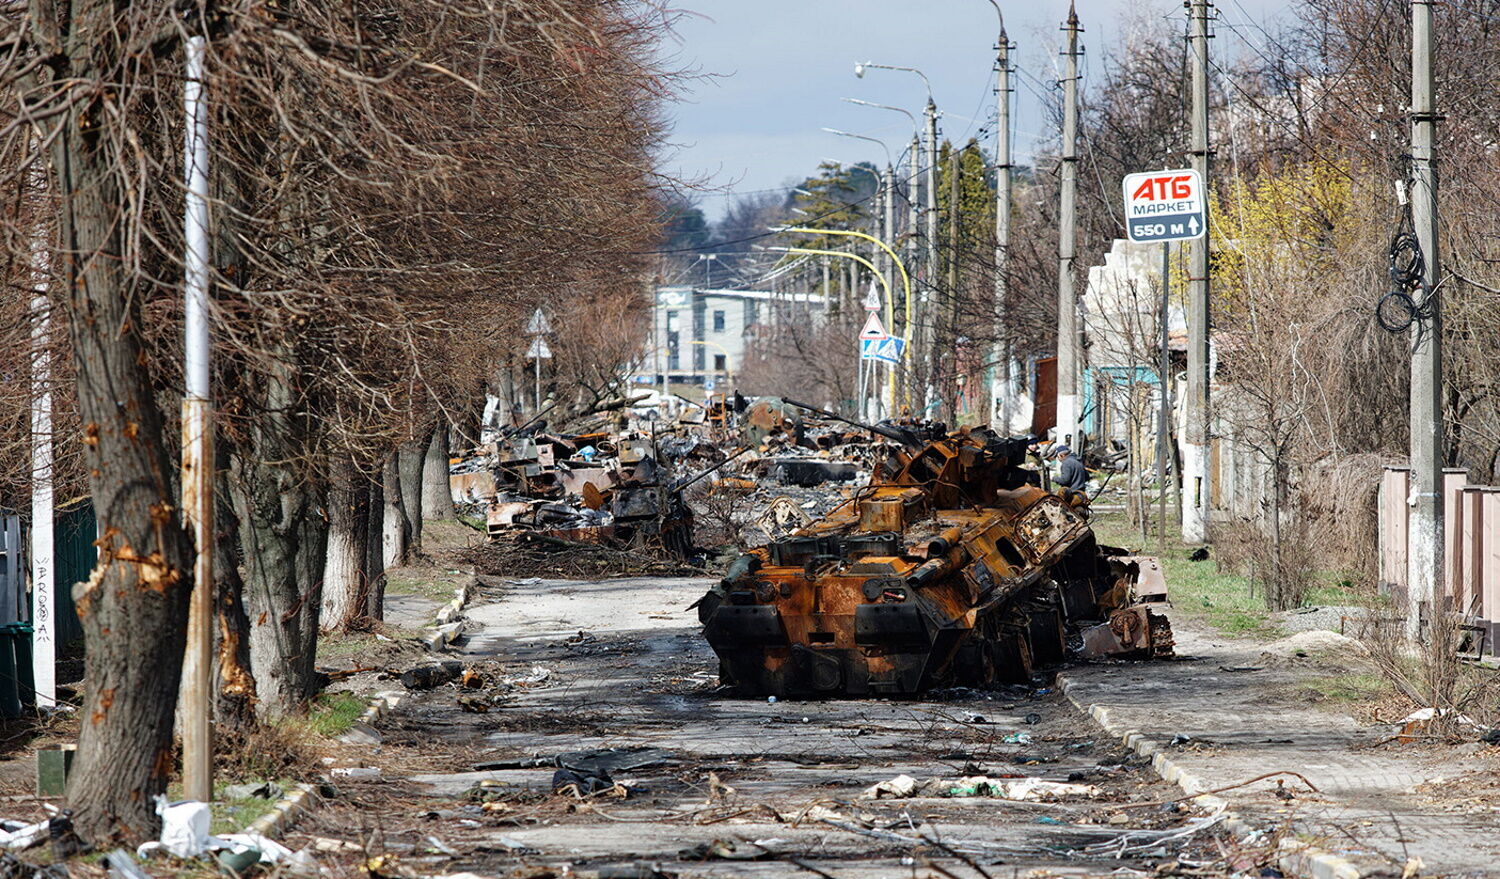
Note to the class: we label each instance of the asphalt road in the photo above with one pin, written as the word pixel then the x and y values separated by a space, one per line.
pixel 735 786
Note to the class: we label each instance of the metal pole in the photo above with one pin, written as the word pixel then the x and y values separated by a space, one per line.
pixel 1068 354
pixel 197 441
pixel 536 350
pixel 1164 412
pixel 1002 381
pixel 890 284
pixel 1195 447
pixel 1425 558
pixel 928 347
pixel 43 573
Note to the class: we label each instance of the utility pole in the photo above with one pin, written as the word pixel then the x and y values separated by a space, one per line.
pixel 928 348
pixel 1164 411
pixel 1001 379
pixel 955 189
pixel 1195 448
pixel 1425 555
pixel 889 238
pixel 1069 356
pixel 197 440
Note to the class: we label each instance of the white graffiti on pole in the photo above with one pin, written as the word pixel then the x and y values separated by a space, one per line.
pixel 1164 206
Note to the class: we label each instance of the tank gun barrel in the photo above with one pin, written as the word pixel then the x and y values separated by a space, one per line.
pixel 885 430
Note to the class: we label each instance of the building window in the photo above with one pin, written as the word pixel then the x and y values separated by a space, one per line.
pixel 718 321
pixel 719 363
pixel 673 361
pixel 671 321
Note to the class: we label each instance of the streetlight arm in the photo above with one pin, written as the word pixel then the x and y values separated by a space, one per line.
pixel 859 71
pixel 890 305
pixel 864 137
pixel 905 278
pixel 1001 16
pixel 908 113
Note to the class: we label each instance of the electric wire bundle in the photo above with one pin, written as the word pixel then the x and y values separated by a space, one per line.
pixel 1398 309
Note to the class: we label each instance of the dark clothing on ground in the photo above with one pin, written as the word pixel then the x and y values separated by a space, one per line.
pixel 1072 474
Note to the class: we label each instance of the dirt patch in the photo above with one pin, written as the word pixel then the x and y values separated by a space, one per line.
pixel 527 554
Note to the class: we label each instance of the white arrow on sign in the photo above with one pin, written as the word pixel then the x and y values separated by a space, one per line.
pixel 874 330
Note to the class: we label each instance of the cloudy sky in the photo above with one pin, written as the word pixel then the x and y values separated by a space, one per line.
pixel 770 73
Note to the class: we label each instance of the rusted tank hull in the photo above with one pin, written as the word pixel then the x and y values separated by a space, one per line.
pixel 953 571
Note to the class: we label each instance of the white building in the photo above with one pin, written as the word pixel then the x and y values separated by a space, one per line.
pixel 700 336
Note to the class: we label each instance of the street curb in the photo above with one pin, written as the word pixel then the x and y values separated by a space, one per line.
pixel 448 622
pixel 1294 857
pixel 302 799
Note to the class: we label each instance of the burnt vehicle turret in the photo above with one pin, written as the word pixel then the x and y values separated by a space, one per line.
pixel 953 567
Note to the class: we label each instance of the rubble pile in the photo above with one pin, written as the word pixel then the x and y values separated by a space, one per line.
pixel 625 501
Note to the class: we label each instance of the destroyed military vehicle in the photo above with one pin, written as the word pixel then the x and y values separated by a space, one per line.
pixel 952 568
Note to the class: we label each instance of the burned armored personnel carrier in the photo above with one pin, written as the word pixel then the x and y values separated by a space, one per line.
pixel 953 567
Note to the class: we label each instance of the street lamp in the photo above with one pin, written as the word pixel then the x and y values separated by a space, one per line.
pixel 1002 382
pixel 874 140
pixel 708 270
pixel 861 66
pixel 930 118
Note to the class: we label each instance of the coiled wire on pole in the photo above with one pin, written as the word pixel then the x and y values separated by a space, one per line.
pixel 1398 309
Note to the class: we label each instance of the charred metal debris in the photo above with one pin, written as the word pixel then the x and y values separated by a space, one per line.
pixel 952 567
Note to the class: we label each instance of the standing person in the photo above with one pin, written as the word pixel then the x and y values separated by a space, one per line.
pixel 1071 474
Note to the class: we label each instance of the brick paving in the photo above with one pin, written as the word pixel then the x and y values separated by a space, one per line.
pixel 1245 723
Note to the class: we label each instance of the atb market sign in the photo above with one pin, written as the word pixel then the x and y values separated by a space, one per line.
pixel 1165 206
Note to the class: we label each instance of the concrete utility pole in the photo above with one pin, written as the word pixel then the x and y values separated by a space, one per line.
pixel 955 214
pixel 928 347
pixel 1425 555
pixel 1002 381
pixel 197 441
pixel 893 374
pixel 1069 353
pixel 1164 411
pixel 1196 484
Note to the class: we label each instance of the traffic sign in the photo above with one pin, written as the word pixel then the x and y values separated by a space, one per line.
pixel 887 350
pixel 539 324
pixel 539 349
pixel 1165 206
pixel 872 299
pixel 874 330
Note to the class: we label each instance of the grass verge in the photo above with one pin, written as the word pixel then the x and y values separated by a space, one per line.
pixel 1199 590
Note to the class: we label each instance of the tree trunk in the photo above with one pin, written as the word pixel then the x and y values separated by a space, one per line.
pixel 410 459
pixel 134 605
pixel 345 582
pixel 374 551
pixel 437 497
pixel 284 539
pixel 395 532
pixel 234 699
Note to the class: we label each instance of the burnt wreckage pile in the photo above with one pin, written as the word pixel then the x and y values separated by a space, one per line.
pixel 952 568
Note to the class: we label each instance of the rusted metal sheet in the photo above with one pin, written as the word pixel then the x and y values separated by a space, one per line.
pixel 474 487
pixel 954 569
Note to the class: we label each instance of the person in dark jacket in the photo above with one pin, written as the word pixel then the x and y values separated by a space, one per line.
pixel 1071 472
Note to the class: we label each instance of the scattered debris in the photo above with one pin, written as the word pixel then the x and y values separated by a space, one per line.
pixel 983 786
pixel 427 677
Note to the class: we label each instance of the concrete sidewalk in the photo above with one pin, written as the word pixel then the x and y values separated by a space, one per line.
pixel 1377 806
